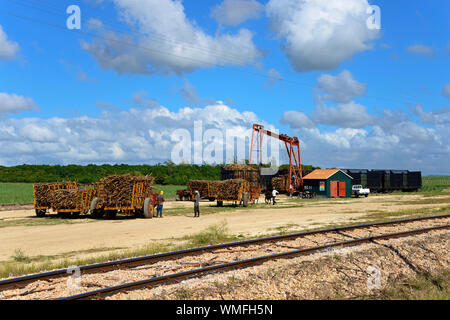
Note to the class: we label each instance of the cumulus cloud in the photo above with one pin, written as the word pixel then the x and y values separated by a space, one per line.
pixel 341 88
pixel 235 12
pixel 320 34
pixel 174 43
pixel 191 95
pixel 346 135
pixel 421 50
pixel 346 115
pixel 440 116
pixel 274 76
pixel 296 120
pixel 13 103
pixel 446 90
pixel 8 48
pixel 405 146
pixel 139 99
pixel 133 136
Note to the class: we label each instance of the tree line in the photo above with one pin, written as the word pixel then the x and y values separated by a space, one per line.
pixel 165 174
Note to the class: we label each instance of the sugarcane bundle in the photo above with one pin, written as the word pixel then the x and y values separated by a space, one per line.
pixel 214 188
pixel 241 171
pixel 236 167
pixel 66 199
pixel 231 189
pixel 118 190
pixel 43 192
pixel 202 186
pixel 280 183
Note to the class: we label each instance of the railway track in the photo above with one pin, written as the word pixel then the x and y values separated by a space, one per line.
pixel 102 279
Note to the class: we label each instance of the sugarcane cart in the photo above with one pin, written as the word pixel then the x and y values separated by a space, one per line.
pixel 234 190
pixel 74 202
pixel 140 200
pixel 207 189
pixel 42 195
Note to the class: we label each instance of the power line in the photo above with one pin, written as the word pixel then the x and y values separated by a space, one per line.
pixel 224 55
pixel 182 57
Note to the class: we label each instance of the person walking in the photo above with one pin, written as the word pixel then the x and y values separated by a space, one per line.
pixel 160 199
pixel 274 194
pixel 197 204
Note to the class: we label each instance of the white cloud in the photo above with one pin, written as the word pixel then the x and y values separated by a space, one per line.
pixel 346 115
pixel 174 43
pixel 388 140
pixel 408 146
pixel 421 50
pixel 140 100
pixel 296 119
pixel 320 34
pixel 446 90
pixel 13 103
pixel 8 48
pixel 191 95
pixel 341 88
pixel 134 136
pixel 235 12
pixel 274 76
pixel 440 116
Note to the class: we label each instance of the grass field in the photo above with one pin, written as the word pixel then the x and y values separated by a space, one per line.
pixel 16 193
pixel 21 193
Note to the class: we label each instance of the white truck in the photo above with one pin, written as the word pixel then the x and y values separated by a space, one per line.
pixel 358 190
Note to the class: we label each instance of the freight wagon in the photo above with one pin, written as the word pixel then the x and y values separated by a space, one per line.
pixel 386 180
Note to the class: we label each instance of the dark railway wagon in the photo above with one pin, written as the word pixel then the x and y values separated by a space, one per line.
pixel 398 180
pixel 414 181
pixel 375 180
pixel 359 176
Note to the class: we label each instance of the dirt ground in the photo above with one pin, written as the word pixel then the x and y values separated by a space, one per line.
pixel 87 237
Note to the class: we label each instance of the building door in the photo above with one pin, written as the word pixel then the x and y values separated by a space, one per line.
pixel 342 189
pixel 333 189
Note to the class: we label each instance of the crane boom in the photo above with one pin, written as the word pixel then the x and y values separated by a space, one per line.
pixel 290 144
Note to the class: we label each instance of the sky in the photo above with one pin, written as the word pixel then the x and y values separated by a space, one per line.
pixel 361 88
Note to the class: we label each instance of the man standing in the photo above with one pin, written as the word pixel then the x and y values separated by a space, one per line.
pixel 291 191
pixel 274 194
pixel 160 200
pixel 197 204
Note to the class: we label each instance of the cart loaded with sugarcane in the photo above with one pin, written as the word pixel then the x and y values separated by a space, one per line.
pixel 126 194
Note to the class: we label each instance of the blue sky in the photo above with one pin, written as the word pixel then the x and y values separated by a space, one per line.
pixel 355 97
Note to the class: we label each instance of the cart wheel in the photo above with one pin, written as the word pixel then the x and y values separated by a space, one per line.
pixel 40 212
pixel 75 215
pixel 97 213
pixel 64 215
pixel 111 214
pixel 245 199
pixel 148 208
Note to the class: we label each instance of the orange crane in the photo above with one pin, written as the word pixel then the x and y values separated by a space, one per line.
pixel 292 147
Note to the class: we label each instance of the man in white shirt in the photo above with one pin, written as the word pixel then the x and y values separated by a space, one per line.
pixel 274 194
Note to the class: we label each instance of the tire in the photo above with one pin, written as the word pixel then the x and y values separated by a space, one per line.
pixel 75 215
pixel 220 203
pixel 366 195
pixel 64 215
pixel 40 212
pixel 111 214
pixel 97 213
pixel 148 208
pixel 245 199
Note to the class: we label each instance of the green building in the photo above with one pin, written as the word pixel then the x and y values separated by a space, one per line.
pixel 330 183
